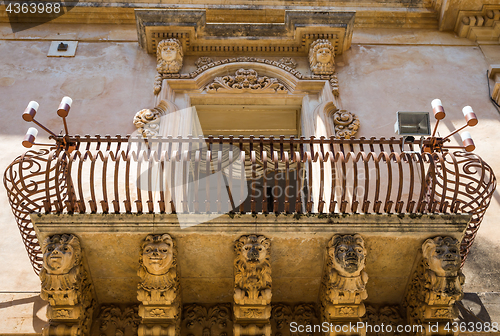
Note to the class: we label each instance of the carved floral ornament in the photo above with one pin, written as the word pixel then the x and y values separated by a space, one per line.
pixel 246 80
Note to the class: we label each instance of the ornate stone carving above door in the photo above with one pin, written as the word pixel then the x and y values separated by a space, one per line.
pixel 246 80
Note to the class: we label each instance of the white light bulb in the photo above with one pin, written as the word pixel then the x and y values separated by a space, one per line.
pixel 436 102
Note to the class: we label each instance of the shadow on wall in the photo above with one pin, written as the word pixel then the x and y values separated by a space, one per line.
pixel 472 309
pixel 38 304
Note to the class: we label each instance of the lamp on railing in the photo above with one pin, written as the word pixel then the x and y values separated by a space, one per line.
pixel 29 116
pixel 439 114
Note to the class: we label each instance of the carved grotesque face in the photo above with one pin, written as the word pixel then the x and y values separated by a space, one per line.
pixel 348 254
pixel 324 55
pixel 443 255
pixel 59 257
pixel 169 53
pixel 157 256
pixel 254 252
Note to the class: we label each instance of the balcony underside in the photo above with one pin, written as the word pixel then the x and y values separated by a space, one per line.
pixel 111 244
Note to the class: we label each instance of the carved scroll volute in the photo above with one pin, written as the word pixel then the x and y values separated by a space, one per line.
pixel 65 286
pixel 147 121
pixel 437 283
pixel 343 288
pixel 158 289
pixel 322 57
pixel 252 286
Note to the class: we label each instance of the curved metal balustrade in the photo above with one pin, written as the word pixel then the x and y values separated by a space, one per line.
pixel 242 175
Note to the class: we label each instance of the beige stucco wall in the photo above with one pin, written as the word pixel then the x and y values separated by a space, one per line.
pixel 385 71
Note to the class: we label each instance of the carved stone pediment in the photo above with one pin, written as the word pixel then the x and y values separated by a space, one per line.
pixel 246 80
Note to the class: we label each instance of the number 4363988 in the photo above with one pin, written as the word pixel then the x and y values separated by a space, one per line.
pixel 33 8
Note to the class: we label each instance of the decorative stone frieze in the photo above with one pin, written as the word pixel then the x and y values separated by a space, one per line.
pixel 252 292
pixel 288 61
pixel 343 288
pixel 169 56
pixel 159 287
pixel 436 284
pixel 246 80
pixel 202 61
pixel 66 286
pixel 212 321
pixel 147 121
pixel 346 124
pixel 386 315
pixel 115 321
pixel 321 57
pixel 302 314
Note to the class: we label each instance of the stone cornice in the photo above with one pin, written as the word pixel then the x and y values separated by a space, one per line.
pixel 200 37
pixel 481 26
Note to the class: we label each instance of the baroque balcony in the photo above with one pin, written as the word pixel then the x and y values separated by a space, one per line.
pixel 199 179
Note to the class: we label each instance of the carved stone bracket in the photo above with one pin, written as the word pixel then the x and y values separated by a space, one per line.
pixel 343 287
pixel 495 75
pixel 246 81
pixel 252 292
pixel 66 286
pixel 159 287
pixel 436 284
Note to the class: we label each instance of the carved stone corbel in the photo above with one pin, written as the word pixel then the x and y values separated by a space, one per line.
pixel 343 287
pixel 436 285
pixel 66 286
pixel 158 290
pixel 321 57
pixel 252 292
pixel 169 58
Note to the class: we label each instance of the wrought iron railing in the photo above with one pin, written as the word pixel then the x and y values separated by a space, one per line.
pixel 244 175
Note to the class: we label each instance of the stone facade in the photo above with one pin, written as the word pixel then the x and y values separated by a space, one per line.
pixel 344 76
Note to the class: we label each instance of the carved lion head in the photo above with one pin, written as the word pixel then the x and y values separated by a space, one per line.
pixel 253 249
pixel 347 253
pixel 442 255
pixel 158 254
pixel 61 253
pixel 169 56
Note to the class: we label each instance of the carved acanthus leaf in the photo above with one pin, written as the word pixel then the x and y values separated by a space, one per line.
pixel 113 320
pixel 246 80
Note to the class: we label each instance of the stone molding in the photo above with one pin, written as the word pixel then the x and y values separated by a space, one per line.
pixel 436 284
pixel 194 74
pixel 158 289
pixel 66 286
pixel 480 26
pixel 246 80
pixel 198 37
